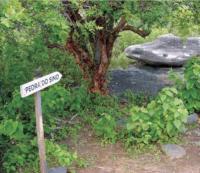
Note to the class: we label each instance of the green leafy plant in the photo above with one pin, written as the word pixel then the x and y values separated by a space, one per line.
pixel 12 129
pixel 191 90
pixel 24 156
pixel 162 119
pixel 20 155
pixel 189 85
pixel 15 146
pixel 54 104
pixel 105 127
pixel 18 116
pixel 58 155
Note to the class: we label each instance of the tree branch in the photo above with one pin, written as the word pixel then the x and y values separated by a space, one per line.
pixel 57 46
pixel 140 32
pixel 71 14
pixel 120 25
pixel 123 26
pixel 82 57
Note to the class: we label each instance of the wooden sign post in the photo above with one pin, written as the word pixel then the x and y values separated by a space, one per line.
pixel 34 87
pixel 40 132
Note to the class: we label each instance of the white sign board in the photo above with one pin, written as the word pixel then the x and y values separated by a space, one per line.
pixel 39 84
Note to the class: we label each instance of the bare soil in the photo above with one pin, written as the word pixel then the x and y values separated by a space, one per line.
pixel 115 159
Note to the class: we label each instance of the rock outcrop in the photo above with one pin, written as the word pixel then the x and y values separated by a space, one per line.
pixel 140 79
pixel 167 50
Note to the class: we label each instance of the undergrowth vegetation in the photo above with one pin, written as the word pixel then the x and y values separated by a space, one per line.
pixel 161 119
pixel 189 85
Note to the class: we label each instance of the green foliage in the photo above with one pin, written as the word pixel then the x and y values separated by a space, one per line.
pixel 18 116
pixel 23 44
pixel 54 101
pixel 139 99
pixel 79 99
pixel 189 86
pixel 163 118
pixel 20 155
pixel 191 91
pixel 57 155
pixel 184 20
pixel 12 129
pixel 11 133
pixel 105 127
pixel 105 105
pixel 24 156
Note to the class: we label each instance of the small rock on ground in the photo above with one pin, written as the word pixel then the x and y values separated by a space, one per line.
pixel 57 170
pixel 192 118
pixel 173 151
pixel 98 169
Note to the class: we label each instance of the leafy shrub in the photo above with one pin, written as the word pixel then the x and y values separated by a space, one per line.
pixel 19 155
pixel 12 129
pixel 79 99
pixel 23 49
pixel 105 127
pixel 189 86
pixel 17 69
pixel 24 156
pixel 162 119
pixel 57 155
pixel 54 103
pixel 191 91
pixel 15 147
pixel 18 116
pixel 105 105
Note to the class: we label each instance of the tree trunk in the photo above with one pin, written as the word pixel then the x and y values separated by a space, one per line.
pixel 82 57
pixel 99 82
pixel 94 69
pixel 99 77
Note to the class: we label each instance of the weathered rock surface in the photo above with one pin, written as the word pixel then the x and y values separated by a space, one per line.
pixel 192 118
pixel 57 170
pixel 173 151
pixel 140 79
pixel 167 50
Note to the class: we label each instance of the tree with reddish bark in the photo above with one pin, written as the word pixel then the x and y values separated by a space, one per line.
pixel 95 25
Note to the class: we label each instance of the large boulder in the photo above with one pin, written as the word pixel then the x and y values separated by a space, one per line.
pixel 140 79
pixel 167 50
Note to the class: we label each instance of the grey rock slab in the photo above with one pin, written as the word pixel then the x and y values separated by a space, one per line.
pixel 173 151
pixel 57 170
pixel 192 118
pixel 167 50
pixel 140 79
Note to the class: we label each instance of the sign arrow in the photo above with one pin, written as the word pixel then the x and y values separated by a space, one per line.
pixel 39 84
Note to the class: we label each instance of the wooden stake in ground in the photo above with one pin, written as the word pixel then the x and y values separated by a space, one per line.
pixel 40 132
pixel 34 87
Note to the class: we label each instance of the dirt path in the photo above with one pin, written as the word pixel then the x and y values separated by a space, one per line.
pixel 114 159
